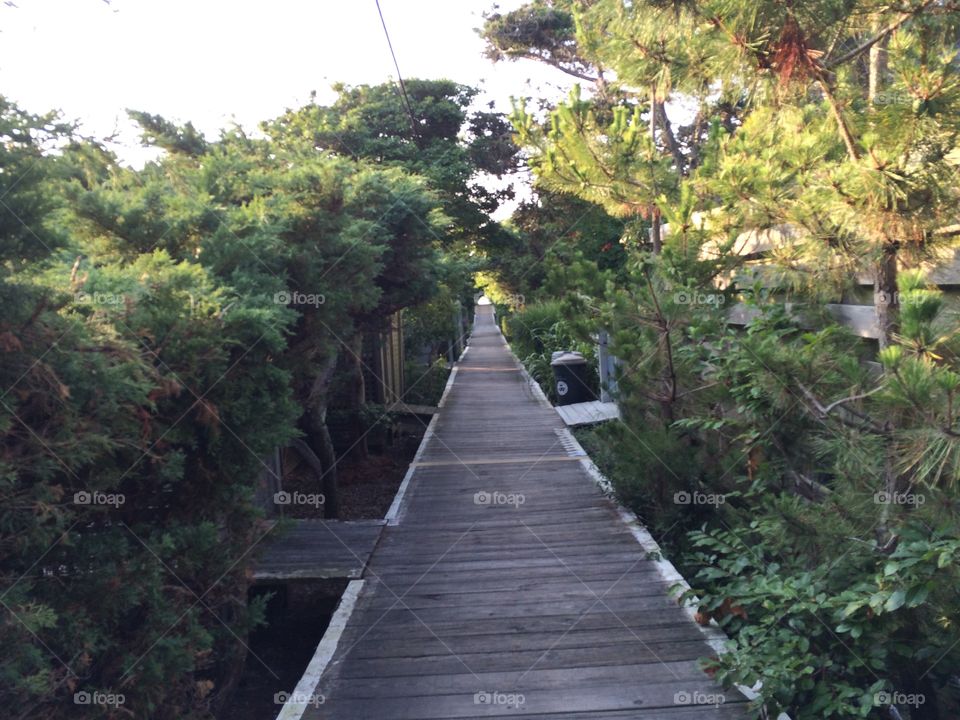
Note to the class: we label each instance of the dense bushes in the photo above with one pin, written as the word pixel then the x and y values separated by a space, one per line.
pixel 164 330
pixel 538 330
pixel 134 413
pixel 769 489
pixel 808 490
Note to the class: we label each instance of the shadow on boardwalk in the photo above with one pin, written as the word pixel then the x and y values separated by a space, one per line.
pixel 509 586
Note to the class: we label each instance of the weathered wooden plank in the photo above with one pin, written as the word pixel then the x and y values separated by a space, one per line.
pixel 489 577
pixel 622 623
pixel 509 612
pixel 645 701
pixel 317 549
pixel 685 640
pixel 723 712
pixel 499 565
pixel 600 651
pixel 589 517
pixel 534 458
pixel 588 413
pixel 406 409
pixel 597 579
pixel 468 680
pixel 564 589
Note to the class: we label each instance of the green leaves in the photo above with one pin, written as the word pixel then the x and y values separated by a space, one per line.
pixel 816 638
pixel 448 146
pixel 795 179
pixel 612 164
pixel 167 338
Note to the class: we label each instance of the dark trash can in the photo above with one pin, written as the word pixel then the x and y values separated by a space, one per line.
pixel 570 375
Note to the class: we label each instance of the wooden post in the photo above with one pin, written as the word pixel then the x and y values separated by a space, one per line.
pixel 602 355
pixel 608 365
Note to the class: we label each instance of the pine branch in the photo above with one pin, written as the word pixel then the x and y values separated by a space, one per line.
pixel 697 389
pixel 825 410
pixel 852 152
pixel 947 231
pixel 670 372
pixel 835 41
pixel 921 407
pixel 863 47
pixel 842 401
pixel 580 75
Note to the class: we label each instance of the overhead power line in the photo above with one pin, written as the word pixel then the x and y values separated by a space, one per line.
pixel 403 87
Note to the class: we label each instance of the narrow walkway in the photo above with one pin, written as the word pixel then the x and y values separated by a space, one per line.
pixel 510 587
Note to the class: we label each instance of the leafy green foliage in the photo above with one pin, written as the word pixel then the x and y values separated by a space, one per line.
pixel 539 330
pixel 824 159
pixel 829 641
pixel 164 330
pixel 552 230
pixel 372 123
pixel 541 30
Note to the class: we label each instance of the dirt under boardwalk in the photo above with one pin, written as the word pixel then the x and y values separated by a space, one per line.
pixel 510 587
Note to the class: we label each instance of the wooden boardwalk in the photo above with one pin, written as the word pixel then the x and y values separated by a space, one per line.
pixel 509 585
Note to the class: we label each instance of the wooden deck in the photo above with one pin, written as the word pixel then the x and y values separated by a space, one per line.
pixel 318 550
pixel 510 586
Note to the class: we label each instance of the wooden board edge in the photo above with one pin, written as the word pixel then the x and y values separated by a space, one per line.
pixel 394 511
pixel 305 694
pixel 713 634
pixel 534 385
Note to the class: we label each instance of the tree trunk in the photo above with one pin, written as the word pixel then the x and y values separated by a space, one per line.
pixel 878 69
pixel 842 127
pixel 358 397
pixel 233 658
pixel 318 435
pixel 885 294
pixel 670 139
pixel 656 238
pixel 885 301
pixel 668 376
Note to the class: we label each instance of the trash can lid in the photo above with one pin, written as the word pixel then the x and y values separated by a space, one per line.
pixel 568 357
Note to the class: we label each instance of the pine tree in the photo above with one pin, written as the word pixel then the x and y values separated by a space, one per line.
pixel 828 131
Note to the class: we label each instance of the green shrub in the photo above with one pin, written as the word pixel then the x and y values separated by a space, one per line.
pixel 538 330
pixel 158 326
pixel 425 385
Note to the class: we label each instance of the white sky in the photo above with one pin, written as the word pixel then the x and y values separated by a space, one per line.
pixel 214 62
